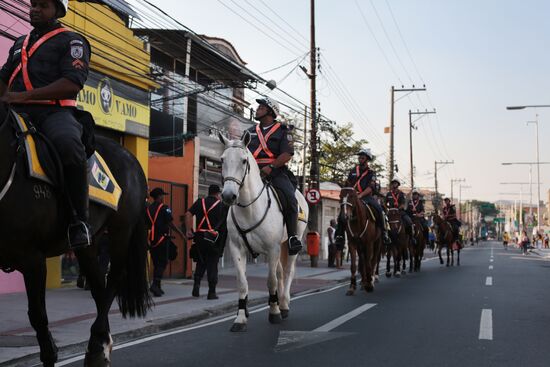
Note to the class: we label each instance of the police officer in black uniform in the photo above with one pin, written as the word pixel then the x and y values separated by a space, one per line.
pixel 208 239
pixel 415 208
pixel 272 146
pixel 363 179
pixel 42 76
pixel 161 221
pixel 396 199
pixel 449 214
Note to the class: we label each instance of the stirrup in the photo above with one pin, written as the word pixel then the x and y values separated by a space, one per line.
pixel 73 232
pixel 294 245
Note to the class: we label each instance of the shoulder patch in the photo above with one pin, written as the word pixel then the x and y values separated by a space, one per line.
pixel 77 51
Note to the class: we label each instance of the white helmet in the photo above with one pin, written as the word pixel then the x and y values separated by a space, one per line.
pixel 415 191
pixel 271 103
pixel 367 152
pixel 63 7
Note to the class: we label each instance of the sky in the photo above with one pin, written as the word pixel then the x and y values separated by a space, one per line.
pixel 475 57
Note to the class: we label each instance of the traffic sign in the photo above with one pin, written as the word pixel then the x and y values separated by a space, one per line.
pixel 313 196
pixel 499 220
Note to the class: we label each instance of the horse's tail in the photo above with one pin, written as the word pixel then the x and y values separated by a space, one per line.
pixel 133 291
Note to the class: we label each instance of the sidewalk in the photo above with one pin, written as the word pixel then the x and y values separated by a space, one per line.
pixel 71 310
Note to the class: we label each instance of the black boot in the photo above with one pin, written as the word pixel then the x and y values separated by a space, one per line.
pixel 196 287
pixel 212 291
pixel 294 243
pixel 76 183
pixel 160 287
pixel 155 288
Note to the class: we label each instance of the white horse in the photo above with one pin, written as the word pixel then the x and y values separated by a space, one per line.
pixel 255 224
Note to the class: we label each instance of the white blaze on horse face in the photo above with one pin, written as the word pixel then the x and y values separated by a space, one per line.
pixel 233 172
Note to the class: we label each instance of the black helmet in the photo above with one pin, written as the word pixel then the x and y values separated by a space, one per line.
pixel 156 192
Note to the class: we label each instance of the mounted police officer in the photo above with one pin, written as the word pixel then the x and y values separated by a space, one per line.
pixel 363 179
pixel 42 77
pixel 449 214
pixel 396 199
pixel 161 221
pixel 415 208
pixel 272 146
pixel 208 239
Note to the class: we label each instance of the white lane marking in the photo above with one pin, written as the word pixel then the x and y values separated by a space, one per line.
pixel 344 318
pixel 491 260
pixel 190 328
pixel 486 324
pixel 489 281
pixel 490 267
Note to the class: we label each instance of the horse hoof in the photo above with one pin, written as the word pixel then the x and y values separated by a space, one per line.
pixel 97 359
pixel 284 313
pixel 275 318
pixel 441 262
pixel 369 288
pixel 397 275
pixel 350 292
pixel 448 265
pixel 236 327
pixel 388 275
pixel 376 279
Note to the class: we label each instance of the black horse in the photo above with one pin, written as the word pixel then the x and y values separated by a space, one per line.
pixel 34 227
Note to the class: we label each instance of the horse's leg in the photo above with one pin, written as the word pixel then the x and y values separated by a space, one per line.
pixel 272 287
pixel 388 257
pixel 289 266
pixel 458 257
pixel 377 259
pixel 397 263
pixel 368 282
pixel 239 258
pixel 35 282
pixel 281 283
pixel 353 270
pixel 448 253
pixel 439 253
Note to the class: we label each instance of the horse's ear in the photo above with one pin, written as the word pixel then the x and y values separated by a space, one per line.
pixel 222 138
pixel 246 138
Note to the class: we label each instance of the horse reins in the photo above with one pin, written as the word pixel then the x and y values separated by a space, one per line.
pixel 344 204
pixel 396 221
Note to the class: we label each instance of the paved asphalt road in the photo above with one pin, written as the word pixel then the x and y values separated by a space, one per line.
pixel 432 318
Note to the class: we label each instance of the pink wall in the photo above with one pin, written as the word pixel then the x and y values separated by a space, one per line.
pixel 13 25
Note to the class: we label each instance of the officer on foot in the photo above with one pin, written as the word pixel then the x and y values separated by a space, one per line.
pixel 396 199
pixel 415 209
pixel 42 77
pixel 208 239
pixel 161 221
pixel 449 214
pixel 272 146
pixel 363 179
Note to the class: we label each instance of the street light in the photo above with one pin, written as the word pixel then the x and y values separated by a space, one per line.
pixel 538 166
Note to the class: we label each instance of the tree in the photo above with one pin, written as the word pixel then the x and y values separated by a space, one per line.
pixel 338 152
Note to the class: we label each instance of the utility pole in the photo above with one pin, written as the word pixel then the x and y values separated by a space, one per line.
pixel 453 180
pixel 391 163
pixel 411 127
pixel 314 169
pixel 304 152
pixel 442 163
pixel 460 187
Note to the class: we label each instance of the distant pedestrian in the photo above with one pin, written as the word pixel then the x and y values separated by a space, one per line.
pixel 546 240
pixel 431 239
pixel 331 230
pixel 524 242
pixel 340 242
pixel 208 238
pixel 161 221
pixel 505 240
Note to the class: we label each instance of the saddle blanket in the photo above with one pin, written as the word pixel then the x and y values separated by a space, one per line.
pixel 301 212
pixel 103 187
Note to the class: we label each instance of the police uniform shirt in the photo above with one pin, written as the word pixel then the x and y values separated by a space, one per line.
pixel 368 180
pixel 412 210
pixel 390 201
pixel 449 212
pixel 215 215
pixel 163 219
pixel 279 142
pixel 65 55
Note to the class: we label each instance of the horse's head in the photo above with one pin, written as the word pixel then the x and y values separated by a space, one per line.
pixel 235 166
pixel 348 202
pixel 394 219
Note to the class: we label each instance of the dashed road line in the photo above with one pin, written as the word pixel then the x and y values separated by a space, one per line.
pixel 490 267
pixel 489 281
pixel 486 324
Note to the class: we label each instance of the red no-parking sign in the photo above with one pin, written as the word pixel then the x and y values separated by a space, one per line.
pixel 313 196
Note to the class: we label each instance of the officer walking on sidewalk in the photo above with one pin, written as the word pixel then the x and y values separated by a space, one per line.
pixel 208 239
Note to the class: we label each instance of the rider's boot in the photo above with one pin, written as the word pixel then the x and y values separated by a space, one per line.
pixel 212 291
pixel 294 243
pixel 76 183
pixel 385 229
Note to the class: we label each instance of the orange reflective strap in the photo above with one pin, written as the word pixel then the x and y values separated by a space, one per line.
pixel 205 218
pixel 263 145
pixel 23 67
pixel 395 199
pixel 153 221
pixel 358 182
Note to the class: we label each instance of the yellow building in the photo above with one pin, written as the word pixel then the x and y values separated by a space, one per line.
pixel 118 86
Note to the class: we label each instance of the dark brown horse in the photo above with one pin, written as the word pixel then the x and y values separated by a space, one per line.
pixel 416 251
pixel 34 227
pixel 398 249
pixel 364 238
pixel 445 238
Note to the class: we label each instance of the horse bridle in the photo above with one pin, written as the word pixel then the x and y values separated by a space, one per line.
pixel 345 204
pixel 396 221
